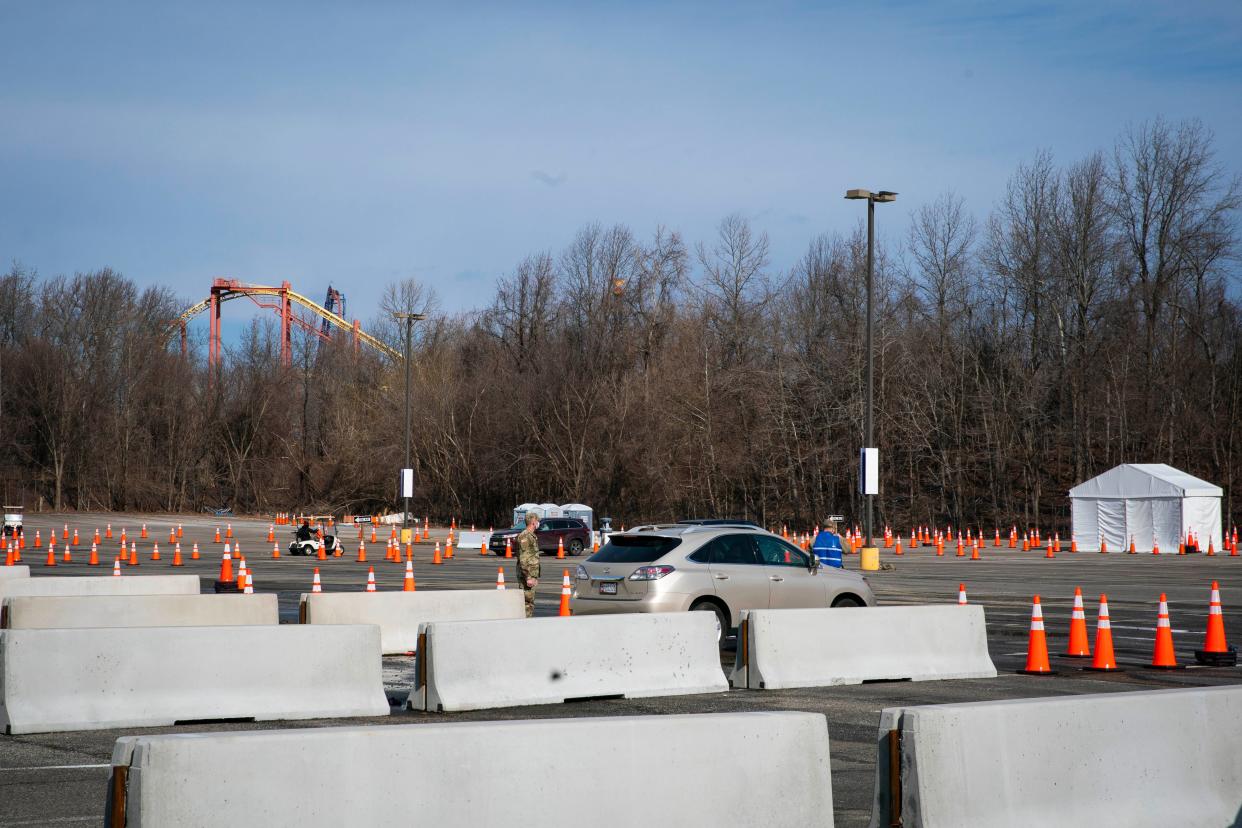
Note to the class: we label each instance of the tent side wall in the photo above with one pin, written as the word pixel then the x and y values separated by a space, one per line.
pixel 1084 526
pixel 1201 515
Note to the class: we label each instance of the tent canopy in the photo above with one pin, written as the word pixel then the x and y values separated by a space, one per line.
pixel 1141 480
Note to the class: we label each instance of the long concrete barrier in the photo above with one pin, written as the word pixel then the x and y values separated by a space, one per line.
pixel 101 585
pixel 823 647
pixel 769 769
pixel 40 612
pixel 15 571
pixel 92 679
pixel 471 665
pixel 399 614
pixel 1152 758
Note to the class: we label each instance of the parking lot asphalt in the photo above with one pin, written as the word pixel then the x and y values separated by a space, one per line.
pixel 60 778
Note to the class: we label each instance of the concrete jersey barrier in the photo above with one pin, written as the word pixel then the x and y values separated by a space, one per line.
pixel 92 679
pixel 471 665
pixel 822 647
pixel 15 571
pixel 37 612
pixel 100 585
pixel 399 614
pixel 769 769
pixel 1151 758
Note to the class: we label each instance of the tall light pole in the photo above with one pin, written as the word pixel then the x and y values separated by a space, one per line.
pixel 869 465
pixel 407 471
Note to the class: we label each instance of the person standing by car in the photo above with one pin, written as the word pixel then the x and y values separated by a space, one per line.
pixel 528 561
pixel 827 545
pixel 304 531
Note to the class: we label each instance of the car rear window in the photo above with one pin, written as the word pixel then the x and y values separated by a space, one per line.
pixel 635 549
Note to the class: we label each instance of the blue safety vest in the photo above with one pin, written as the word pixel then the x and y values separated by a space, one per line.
pixel 827 547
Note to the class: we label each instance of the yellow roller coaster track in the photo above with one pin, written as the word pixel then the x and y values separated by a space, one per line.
pixel 224 290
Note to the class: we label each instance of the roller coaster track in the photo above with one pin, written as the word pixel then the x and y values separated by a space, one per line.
pixel 281 300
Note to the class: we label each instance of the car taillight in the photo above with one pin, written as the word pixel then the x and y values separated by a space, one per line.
pixel 650 573
pixel 581 574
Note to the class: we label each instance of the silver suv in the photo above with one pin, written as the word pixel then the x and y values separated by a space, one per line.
pixel 720 569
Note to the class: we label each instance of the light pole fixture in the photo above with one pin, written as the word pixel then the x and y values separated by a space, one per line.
pixel 869 459
pixel 406 479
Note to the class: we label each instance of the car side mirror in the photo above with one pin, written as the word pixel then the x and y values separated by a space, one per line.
pixel 813 565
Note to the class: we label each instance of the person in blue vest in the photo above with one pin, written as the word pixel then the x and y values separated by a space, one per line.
pixel 827 545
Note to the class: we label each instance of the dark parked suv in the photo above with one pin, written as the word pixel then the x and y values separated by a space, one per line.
pixel 572 531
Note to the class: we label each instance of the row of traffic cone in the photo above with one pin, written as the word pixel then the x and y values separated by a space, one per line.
pixel 1216 651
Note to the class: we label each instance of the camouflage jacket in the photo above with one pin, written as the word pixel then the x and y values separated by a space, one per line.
pixel 527 555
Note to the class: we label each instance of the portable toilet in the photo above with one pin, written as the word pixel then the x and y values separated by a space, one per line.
pixel 584 513
pixel 551 510
pixel 519 514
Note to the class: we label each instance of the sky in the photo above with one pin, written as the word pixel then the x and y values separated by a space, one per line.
pixel 357 143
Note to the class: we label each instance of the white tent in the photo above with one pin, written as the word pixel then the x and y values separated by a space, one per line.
pixel 1146 502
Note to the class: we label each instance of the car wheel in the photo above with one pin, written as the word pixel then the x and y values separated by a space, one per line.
pixel 847 601
pixel 722 622
pixel 575 547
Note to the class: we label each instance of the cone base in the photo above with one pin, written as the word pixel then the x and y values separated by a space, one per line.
pixel 225 586
pixel 1075 655
pixel 1037 672
pixel 1229 658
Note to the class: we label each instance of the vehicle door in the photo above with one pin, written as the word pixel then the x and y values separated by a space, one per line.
pixel 549 532
pixel 792 584
pixel 738 578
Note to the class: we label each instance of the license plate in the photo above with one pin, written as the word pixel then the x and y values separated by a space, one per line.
pixel 608 588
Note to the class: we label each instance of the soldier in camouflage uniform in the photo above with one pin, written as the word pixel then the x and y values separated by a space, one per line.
pixel 528 561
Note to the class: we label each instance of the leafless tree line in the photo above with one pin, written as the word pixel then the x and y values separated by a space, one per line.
pixel 1091 318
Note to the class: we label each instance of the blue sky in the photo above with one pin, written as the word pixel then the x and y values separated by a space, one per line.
pixel 357 143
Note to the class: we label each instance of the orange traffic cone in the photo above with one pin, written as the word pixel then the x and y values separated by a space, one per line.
pixel 144 532
pixel 271 533
pixel 974 554
pixel 1216 651
pixel 242 571
pixel 370 579
pixel 108 533
pixel 172 535
pixel 1050 552
pixel 177 555
pixel 322 554
pixel 564 609
pixel 155 552
pixel 116 567
pixel 436 557
pixel 228 530
pixel 1104 661
pixel 180 532
pixel 508 547
pixel 483 548
pixel 133 553
pixel 1073 546
pixel 408 584
pixel 8 555
pixel 1079 646
pixel 448 548
pixel 194 553
pixel 39 540
pixel 961 594
pixel 217 538
pixel 996 540
pixel 961 550
pixel 226 567
pixel 249 583
pixel 275 551
pixel 1037 644
pixel 362 552
pixel 316 584
pixel 1164 658
pixel 68 558
pixel 500 577
pixel 374 539
pixel 1133 551
pixel 1103 545
pixel 1211 548
pixel 560 549
pixel 51 554
pixel 897 546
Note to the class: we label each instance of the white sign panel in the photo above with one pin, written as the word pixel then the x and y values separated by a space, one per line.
pixel 869 471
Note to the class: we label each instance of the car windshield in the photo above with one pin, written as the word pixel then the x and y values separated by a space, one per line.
pixel 634 549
